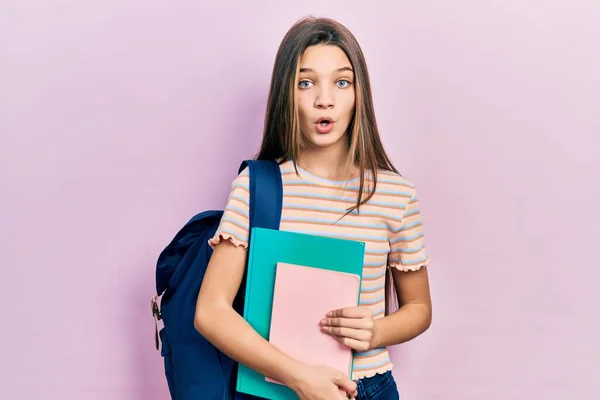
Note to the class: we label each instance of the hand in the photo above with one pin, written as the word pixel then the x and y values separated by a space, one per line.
pixel 352 326
pixel 322 383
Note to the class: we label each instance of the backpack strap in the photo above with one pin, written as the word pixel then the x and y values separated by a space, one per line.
pixel 266 193
pixel 266 197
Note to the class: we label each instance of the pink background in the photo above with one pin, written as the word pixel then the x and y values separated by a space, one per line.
pixel 121 119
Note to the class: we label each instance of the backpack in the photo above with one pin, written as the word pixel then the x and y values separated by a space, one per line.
pixel 194 368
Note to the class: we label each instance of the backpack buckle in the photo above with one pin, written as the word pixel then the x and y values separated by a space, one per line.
pixel 157 317
pixel 155 309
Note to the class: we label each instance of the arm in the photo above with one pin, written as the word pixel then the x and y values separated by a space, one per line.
pixel 220 324
pixel 415 312
pixel 356 328
pixel 407 260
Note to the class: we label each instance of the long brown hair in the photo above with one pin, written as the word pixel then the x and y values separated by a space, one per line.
pixel 282 139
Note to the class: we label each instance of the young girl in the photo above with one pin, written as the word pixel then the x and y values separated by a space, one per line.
pixel 337 182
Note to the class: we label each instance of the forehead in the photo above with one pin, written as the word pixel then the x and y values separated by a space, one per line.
pixel 324 58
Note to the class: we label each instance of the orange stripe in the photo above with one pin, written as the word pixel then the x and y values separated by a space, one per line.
pixel 333 225
pixel 373 304
pixel 351 202
pixel 329 212
pixel 243 189
pixel 373 279
pixel 411 228
pixel 308 184
pixel 368 371
pixel 377 266
pixel 407 241
pixel 229 210
pixel 237 224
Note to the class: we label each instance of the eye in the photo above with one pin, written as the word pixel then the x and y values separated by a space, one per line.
pixel 343 83
pixel 304 84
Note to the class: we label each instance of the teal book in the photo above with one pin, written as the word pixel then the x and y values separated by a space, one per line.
pixel 267 249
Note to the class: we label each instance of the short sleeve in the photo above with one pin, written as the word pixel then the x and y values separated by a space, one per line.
pixel 407 242
pixel 235 221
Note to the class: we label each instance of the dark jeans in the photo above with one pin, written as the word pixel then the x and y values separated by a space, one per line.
pixel 377 387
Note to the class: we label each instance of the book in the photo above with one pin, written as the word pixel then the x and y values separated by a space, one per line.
pixel 267 248
pixel 301 299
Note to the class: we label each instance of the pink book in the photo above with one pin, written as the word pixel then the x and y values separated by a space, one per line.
pixel 301 299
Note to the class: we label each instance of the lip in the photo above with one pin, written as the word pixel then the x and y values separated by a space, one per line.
pixel 324 129
pixel 328 119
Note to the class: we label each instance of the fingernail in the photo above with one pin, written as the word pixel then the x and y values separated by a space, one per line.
pixel 330 313
pixel 323 321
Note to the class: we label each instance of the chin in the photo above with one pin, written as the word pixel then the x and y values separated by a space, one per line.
pixel 324 140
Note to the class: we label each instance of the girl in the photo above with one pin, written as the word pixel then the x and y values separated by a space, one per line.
pixel 338 182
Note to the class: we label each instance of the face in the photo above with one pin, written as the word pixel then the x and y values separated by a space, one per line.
pixel 325 95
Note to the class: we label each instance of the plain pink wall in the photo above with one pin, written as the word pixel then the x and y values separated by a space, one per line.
pixel 120 119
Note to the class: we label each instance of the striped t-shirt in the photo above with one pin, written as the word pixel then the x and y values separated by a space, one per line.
pixel 389 224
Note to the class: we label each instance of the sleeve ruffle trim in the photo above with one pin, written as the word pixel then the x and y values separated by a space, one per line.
pixel 408 268
pixel 225 236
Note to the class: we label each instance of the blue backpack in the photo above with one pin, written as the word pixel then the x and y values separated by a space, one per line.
pixel 194 368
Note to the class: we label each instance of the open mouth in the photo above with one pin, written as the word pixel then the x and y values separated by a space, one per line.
pixel 324 125
pixel 325 121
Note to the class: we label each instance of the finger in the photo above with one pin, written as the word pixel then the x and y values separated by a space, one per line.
pixel 358 334
pixel 354 344
pixel 350 312
pixel 345 383
pixel 345 395
pixel 356 323
pixel 353 394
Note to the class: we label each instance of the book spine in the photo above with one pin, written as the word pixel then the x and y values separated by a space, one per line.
pixel 248 271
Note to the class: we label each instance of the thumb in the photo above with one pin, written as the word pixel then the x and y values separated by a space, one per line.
pixel 345 383
pixel 347 396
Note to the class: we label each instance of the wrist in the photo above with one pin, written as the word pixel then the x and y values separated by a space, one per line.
pixel 291 374
pixel 376 341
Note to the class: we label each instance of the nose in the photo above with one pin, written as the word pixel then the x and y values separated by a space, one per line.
pixel 325 99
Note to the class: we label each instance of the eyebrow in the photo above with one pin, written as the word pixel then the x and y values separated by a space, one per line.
pixel 338 70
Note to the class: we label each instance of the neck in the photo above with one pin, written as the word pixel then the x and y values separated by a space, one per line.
pixel 328 162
